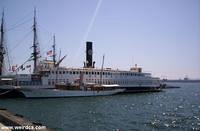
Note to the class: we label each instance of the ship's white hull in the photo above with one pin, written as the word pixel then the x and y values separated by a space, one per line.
pixel 51 92
pixel 55 93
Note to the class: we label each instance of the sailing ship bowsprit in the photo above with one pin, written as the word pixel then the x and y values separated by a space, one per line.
pixel 49 79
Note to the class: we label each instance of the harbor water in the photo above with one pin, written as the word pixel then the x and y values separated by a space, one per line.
pixel 172 109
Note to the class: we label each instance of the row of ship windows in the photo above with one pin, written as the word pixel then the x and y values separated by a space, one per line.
pixel 94 73
pixel 29 83
pixel 97 81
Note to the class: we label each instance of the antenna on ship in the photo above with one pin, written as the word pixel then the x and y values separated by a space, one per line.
pixel 59 54
pixel 36 52
pixel 54 50
pixel 2 50
pixel 101 80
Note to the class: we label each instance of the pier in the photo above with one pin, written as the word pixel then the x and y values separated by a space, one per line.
pixel 10 121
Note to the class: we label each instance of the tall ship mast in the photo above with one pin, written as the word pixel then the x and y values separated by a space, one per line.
pixel 36 53
pixel 54 51
pixel 2 50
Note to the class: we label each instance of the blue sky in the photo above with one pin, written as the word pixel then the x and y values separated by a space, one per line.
pixel 162 36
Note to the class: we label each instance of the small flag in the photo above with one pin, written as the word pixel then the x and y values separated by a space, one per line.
pixel 50 52
pixel 14 67
pixel 28 66
pixel 21 67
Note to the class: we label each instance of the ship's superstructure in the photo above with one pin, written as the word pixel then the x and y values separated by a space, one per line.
pixel 132 78
pixel 91 75
pixel 50 76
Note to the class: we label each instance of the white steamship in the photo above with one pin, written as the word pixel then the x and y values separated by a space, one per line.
pixel 51 80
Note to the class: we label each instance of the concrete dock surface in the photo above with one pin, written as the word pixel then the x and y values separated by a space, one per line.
pixel 10 121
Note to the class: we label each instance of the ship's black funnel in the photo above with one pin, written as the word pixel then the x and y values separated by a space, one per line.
pixel 89 52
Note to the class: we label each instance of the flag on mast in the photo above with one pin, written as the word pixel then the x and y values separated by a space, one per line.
pixel 50 53
pixel 28 66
